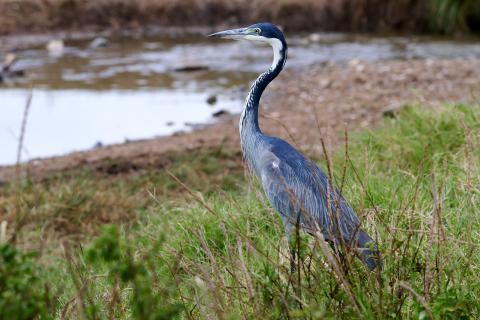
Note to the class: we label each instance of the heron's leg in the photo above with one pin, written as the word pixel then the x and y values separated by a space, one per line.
pixel 293 260
pixel 343 261
pixel 288 232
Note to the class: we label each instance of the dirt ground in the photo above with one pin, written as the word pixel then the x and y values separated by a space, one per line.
pixel 301 107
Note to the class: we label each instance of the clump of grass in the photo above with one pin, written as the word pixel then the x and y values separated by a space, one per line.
pixel 74 204
pixel 132 288
pixel 23 292
pixel 414 183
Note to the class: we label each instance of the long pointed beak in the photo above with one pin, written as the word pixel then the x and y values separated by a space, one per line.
pixel 230 34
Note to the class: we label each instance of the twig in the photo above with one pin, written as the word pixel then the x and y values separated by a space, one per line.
pixel 66 307
pixel 244 269
pixel 19 219
pixel 23 129
pixel 337 270
pixel 434 237
pixel 419 298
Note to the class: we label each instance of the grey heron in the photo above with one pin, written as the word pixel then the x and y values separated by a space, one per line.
pixel 296 187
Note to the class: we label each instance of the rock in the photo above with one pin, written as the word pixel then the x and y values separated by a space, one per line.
pixel 194 126
pixel 353 63
pixel 190 68
pixel 220 113
pixel 325 83
pixel 360 68
pixel 6 71
pixel 178 133
pixel 389 114
pixel 17 73
pixel 8 62
pixel 99 42
pixel 169 123
pixel 392 111
pixel 55 47
pixel 211 100
pixel 315 37
pixel 98 145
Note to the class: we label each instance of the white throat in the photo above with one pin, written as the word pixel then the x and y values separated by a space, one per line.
pixel 277 50
pixel 276 44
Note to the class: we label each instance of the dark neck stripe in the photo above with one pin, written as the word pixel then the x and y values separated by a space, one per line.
pixel 249 119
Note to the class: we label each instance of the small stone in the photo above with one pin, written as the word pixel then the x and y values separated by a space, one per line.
pixel 389 114
pixel 8 62
pixel 315 37
pixel 211 100
pixel 190 68
pixel 99 42
pixel 353 62
pixel 325 83
pixel 178 133
pixel 194 126
pixel 220 113
pixel 55 47
pixel 169 123
pixel 98 145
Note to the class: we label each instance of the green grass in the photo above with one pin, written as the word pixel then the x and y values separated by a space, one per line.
pixel 214 249
pixel 450 16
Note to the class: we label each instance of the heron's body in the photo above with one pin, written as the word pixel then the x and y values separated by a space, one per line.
pixel 295 186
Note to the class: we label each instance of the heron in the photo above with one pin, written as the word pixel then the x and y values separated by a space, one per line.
pixel 301 193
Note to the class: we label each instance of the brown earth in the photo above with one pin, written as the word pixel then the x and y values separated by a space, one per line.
pixel 321 102
pixel 31 16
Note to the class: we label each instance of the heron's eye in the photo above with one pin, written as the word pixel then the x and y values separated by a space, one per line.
pixel 257 30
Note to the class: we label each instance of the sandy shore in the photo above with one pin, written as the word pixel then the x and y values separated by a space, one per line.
pixel 301 107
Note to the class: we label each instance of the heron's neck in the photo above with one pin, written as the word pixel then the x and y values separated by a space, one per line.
pixel 249 119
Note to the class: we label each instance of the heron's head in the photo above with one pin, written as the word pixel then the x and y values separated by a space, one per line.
pixel 262 32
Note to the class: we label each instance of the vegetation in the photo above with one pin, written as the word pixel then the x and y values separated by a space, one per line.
pixel 447 16
pixel 457 15
pixel 201 242
pixel 22 295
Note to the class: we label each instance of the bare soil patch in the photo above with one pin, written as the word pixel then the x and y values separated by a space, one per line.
pixel 302 107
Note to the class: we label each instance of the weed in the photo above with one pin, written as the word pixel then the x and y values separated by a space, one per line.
pixel 23 292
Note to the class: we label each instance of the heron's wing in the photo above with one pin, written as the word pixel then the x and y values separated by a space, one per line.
pixel 296 187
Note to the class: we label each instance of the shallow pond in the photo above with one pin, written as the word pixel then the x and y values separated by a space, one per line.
pixel 138 88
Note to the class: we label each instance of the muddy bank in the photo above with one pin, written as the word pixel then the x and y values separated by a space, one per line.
pixel 293 15
pixel 301 107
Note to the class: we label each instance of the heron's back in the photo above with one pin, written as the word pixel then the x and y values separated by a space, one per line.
pixel 297 188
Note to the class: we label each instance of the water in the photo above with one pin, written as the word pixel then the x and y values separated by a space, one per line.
pixel 58 123
pixel 130 90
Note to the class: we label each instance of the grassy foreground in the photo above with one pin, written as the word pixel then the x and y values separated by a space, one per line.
pixel 213 248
